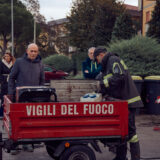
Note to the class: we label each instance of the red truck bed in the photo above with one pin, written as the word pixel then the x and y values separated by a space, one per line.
pixel 65 120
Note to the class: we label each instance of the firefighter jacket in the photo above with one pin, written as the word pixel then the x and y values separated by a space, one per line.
pixel 117 82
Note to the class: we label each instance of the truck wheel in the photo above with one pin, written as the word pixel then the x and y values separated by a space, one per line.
pixel 50 152
pixel 78 152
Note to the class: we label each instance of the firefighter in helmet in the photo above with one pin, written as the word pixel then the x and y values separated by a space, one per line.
pixel 117 82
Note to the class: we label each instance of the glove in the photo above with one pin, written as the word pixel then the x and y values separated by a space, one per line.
pixel 98 87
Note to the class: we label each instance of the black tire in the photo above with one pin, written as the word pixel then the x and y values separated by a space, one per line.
pixel 50 151
pixel 78 152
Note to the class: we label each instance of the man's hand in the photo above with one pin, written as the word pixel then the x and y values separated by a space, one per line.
pixel 86 71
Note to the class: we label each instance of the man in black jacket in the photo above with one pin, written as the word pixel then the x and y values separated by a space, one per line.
pixel 27 70
pixel 117 82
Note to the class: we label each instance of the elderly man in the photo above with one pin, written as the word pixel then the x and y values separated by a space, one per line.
pixel 90 68
pixel 117 82
pixel 27 70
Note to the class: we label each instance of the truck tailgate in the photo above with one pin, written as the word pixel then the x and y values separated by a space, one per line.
pixel 65 120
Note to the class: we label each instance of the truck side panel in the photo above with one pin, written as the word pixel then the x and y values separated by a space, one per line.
pixel 59 120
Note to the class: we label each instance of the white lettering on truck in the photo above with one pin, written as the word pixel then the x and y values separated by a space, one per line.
pixel 98 109
pixel 70 109
pixel 41 110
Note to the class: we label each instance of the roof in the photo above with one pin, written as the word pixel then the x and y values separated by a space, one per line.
pixel 130 7
pixel 58 21
pixel 133 10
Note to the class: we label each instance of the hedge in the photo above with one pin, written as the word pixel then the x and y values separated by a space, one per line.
pixel 59 62
pixel 141 55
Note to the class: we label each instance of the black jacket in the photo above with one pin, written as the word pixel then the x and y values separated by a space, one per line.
pixel 4 74
pixel 26 73
pixel 117 82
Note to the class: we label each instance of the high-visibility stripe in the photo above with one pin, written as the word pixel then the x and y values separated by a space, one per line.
pixel 123 64
pixel 132 100
pixel 134 139
pixel 108 76
pixel 105 80
pixel 118 67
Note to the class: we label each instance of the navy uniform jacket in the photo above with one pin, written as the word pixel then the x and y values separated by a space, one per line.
pixel 117 82
pixel 93 68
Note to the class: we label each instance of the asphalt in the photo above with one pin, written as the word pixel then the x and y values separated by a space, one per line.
pixel 149 143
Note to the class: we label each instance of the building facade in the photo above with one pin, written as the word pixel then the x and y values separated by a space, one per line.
pixel 135 15
pixel 146 7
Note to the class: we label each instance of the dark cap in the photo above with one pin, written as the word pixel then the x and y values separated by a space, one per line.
pixel 99 50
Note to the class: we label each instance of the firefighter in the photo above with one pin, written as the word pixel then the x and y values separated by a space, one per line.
pixel 117 82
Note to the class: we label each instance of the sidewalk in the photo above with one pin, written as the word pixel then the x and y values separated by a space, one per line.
pixel 149 138
pixel 149 142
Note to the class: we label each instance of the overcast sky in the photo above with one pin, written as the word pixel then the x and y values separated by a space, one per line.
pixel 56 9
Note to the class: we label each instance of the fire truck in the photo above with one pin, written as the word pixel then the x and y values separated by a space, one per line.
pixel 70 129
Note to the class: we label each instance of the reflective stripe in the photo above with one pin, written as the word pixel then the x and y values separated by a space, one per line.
pixel 108 76
pixel 5 74
pixel 114 65
pixel 105 80
pixel 123 64
pixel 134 139
pixel 132 100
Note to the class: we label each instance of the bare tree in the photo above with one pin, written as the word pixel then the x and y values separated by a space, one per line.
pixel 34 7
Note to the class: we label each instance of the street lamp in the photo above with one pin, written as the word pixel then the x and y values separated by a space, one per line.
pixel 34 30
pixel 12 28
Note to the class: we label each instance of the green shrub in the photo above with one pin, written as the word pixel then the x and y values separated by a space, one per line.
pixel 79 75
pixel 78 58
pixel 59 62
pixel 141 55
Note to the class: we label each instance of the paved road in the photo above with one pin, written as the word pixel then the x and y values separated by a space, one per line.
pixel 149 141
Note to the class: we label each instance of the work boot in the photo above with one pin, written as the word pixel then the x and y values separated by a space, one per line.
pixel 135 151
pixel 121 152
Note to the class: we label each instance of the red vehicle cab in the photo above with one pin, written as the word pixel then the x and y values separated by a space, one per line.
pixel 52 73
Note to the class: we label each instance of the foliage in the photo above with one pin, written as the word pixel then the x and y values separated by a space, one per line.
pixel 154 24
pixel 141 55
pixel 79 75
pixel 123 28
pixel 44 43
pixel 78 58
pixel 59 62
pixel 91 22
pixel 33 7
pixel 23 25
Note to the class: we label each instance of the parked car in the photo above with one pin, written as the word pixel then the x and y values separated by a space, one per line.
pixel 52 73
